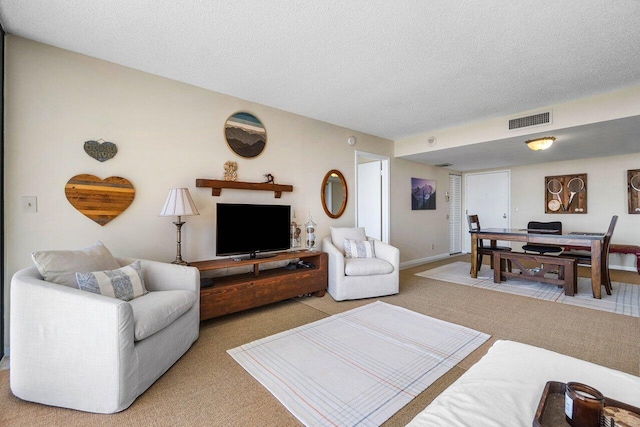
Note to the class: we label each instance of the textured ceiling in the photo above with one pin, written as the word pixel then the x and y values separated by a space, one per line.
pixel 387 68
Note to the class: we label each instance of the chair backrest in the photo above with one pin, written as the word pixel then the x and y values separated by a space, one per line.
pixel 607 237
pixel 474 225
pixel 556 226
pixel 474 222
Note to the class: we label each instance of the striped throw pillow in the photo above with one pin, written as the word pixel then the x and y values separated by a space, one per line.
pixel 358 249
pixel 125 283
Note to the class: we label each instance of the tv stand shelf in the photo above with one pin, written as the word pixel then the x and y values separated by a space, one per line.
pixel 229 294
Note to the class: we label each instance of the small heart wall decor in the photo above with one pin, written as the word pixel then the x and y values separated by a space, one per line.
pixel 101 150
pixel 100 200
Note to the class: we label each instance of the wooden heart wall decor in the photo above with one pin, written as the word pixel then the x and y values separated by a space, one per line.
pixel 101 150
pixel 100 200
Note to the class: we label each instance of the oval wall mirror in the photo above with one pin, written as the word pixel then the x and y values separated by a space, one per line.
pixel 334 193
pixel 245 134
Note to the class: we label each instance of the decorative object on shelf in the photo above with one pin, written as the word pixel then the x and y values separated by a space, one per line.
pixel 310 227
pixel 423 194
pixel 540 143
pixel 100 200
pixel 270 179
pixel 245 134
pixel 217 186
pixel 296 232
pixel 230 171
pixel 633 186
pixel 333 194
pixel 101 150
pixel 179 203
pixel 566 194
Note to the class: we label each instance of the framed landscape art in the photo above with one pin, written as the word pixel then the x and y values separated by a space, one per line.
pixel 423 194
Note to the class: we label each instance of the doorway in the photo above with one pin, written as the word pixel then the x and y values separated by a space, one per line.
pixel 487 194
pixel 372 194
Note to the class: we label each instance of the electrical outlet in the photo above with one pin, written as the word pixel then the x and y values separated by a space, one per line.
pixel 433 246
pixel 29 204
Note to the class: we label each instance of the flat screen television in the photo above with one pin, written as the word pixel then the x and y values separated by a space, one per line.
pixel 252 229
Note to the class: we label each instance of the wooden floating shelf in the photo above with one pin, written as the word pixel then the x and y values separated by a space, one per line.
pixel 217 185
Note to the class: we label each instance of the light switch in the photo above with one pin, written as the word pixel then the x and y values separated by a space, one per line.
pixel 29 204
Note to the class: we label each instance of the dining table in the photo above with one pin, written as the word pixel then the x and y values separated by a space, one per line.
pixel 594 241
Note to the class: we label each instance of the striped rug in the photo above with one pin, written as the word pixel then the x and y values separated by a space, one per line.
pixel 358 367
pixel 624 298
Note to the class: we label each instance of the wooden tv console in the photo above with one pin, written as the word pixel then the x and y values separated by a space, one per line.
pixel 229 294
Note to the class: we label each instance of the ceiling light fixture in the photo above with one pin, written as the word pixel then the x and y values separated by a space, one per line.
pixel 540 143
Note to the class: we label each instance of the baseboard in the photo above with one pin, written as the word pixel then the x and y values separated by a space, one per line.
pixel 413 263
pixel 623 268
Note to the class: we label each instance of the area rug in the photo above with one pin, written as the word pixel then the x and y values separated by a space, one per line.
pixel 358 367
pixel 624 298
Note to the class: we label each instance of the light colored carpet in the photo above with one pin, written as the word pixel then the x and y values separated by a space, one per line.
pixel 624 298
pixel 358 367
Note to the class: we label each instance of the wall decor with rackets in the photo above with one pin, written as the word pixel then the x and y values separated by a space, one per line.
pixel 566 194
pixel 633 186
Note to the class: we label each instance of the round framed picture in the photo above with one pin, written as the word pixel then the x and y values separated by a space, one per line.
pixel 245 134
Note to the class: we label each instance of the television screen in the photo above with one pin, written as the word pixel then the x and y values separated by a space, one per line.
pixel 249 229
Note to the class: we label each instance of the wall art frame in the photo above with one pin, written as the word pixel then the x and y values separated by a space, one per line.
pixel 245 134
pixel 565 194
pixel 633 189
pixel 423 194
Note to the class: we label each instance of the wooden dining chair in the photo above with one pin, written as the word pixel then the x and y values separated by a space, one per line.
pixel 585 257
pixel 474 225
pixel 542 249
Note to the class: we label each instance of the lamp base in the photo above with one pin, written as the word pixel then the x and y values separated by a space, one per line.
pixel 179 262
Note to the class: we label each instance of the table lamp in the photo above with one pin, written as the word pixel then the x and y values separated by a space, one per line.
pixel 179 203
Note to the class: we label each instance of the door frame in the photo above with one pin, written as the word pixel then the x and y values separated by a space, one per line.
pixel 385 197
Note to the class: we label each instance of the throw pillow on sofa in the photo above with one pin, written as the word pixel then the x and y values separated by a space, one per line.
pixel 358 249
pixel 125 283
pixel 61 266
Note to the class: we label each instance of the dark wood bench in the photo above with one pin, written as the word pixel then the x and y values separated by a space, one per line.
pixel 613 249
pixel 567 269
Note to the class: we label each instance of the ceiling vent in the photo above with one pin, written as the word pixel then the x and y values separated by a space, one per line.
pixel 444 165
pixel 534 120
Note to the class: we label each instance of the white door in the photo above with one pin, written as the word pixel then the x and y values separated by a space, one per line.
pixel 454 197
pixel 369 200
pixel 487 195
pixel 373 208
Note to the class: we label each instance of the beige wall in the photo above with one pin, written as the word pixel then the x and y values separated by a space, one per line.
pixel 419 231
pixel 609 106
pixel 168 134
pixel 607 196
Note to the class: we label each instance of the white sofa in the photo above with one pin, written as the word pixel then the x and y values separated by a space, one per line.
pixel 505 386
pixel 80 350
pixel 355 278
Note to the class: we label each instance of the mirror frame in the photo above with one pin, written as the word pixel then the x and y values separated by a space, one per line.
pixel 345 194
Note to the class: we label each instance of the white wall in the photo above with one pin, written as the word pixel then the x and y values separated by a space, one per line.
pixel 168 134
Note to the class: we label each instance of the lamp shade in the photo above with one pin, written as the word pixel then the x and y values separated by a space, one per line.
pixel 179 203
pixel 540 143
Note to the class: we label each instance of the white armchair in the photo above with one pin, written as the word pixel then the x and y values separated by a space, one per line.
pixel 81 350
pixel 355 277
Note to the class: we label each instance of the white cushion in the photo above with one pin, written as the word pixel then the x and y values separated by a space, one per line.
pixel 505 386
pixel 358 249
pixel 61 266
pixel 339 234
pixel 366 266
pixel 125 283
pixel 157 310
